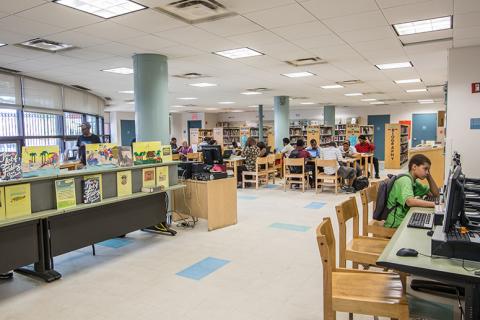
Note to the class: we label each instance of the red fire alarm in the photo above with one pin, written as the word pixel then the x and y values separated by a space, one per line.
pixel 476 87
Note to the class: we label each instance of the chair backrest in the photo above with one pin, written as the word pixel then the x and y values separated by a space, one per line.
pixel 261 163
pixel 368 195
pixel 319 163
pixel 193 156
pixel 271 160
pixel 345 211
pixel 326 246
pixel 278 156
pixel 294 162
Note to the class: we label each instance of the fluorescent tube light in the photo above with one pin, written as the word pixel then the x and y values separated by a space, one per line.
pixel 353 94
pixel 187 98
pixel 211 109
pixel 239 53
pixel 298 74
pixel 425 101
pixel 121 70
pixel 408 81
pixel 307 103
pixel 421 26
pixel 126 91
pixel 368 99
pixel 333 86
pixel 249 93
pixel 203 84
pixel 377 102
pixel 226 102
pixel 103 8
pixel 398 65
pixel 416 90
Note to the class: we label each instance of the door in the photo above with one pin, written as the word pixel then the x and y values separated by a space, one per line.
pixel 197 124
pixel 424 127
pixel 378 122
pixel 127 128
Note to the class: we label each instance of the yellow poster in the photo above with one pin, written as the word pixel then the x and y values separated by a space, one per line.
pixel 17 200
pixel 124 183
pixel 2 203
pixel 40 158
pixel 166 153
pixel 162 177
pixel 148 176
pixel 100 154
pixel 147 152
pixel 65 193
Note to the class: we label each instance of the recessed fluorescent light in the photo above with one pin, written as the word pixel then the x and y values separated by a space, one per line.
pixel 211 109
pixel 177 106
pixel 369 99
pixel 103 8
pixel 226 102
pixel 425 101
pixel 408 81
pixel 236 111
pixel 131 102
pixel 354 94
pixel 377 102
pixel 46 45
pixel 248 93
pixel 126 91
pixel 187 98
pixel 239 53
pixel 416 90
pixel 307 102
pixel 121 70
pixel 387 66
pixel 252 107
pixel 333 86
pixel 421 26
pixel 2 44
pixel 202 84
pixel 298 74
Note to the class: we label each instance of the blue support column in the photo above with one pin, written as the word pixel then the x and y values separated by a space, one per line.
pixel 281 109
pixel 329 115
pixel 260 123
pixel 150 81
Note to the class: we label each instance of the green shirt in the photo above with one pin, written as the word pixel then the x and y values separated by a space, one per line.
pixel 403 188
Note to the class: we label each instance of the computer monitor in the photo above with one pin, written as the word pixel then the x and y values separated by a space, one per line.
pixel 212 155
pixel 227 153
pixel 455 199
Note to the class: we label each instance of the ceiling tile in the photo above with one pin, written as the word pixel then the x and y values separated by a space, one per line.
pixel 319 41
pixel 396 3
pixel 77 39
pixel 245 6
pixel 110 31
pixel 28 27
pixel 230 26
pixel 466 6
pixel 466 20
pixel 419 11
pixel 149 41
pixel 150 21
pixel 272 18
pixel 470 32
pixel 324 9
pixel 466 42
pixel 179 52
pixel 378 33
pixel 20 5
pixel 254 39
pixel 357 21
pixel 302 30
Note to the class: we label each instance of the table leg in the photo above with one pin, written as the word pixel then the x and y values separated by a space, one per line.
pixel 371 166
pixel 235 169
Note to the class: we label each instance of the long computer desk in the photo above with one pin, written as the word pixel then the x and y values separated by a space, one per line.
pixel 449 271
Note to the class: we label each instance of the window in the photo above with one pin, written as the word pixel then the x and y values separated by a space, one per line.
pixel 42 124
pixel 93 121
pixel 70 144
pixel 73 121
pixel 8 147
pixel 8 123
pixel 43 142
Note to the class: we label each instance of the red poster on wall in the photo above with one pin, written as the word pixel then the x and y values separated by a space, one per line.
pixel 407 123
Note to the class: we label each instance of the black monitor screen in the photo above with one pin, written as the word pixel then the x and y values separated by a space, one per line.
pixel 212 155
pixel 454 200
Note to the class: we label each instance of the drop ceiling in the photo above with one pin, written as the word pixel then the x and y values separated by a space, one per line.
pixel 351 35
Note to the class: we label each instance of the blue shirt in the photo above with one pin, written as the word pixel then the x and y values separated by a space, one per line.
pixel 315 153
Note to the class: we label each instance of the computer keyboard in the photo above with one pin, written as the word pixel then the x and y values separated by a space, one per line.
pixel 455 235
pixel 431 198
pixel 421 220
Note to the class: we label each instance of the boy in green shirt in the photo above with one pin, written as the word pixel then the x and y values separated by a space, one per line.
pixel 407 190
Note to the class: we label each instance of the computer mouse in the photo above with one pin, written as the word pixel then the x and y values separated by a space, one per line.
pixel 430 233
pixel 407 252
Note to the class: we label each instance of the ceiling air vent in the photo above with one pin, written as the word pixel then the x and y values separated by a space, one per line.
pixel 9 70
pixel 107 98
pixel 80 87
pixel 196 11
pixel 46 45
pixel 349 82
pixel 191 75
pixel 306 62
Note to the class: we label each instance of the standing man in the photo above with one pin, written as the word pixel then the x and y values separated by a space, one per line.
pixel 87 137
pixel 365 146
pixel 173 144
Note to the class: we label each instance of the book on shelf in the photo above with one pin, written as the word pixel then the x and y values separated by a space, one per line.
pixel 151 189
pixel 17 201
pixel 148 178
pixel 10 166
pixel 92 188
pixel 162 177
pixel 124 183
pixel 2 203
pixel 65 193
pixel 166 153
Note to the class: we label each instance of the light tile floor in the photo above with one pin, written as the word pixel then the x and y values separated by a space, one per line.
pixel 274 273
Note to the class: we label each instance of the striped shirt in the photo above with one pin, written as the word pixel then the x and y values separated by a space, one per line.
pixel 330 153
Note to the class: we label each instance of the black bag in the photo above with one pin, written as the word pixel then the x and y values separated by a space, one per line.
pixel 384 187
pixel 360 183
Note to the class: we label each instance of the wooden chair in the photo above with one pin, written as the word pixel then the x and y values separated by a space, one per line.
pixel 279 164
pixel 295 178
pixel 376 228
pixel 194 156
pixel 364 250
pixel 176 157
pixel 326 180
pixel 261 171
pixel 357 291
pixel 271 169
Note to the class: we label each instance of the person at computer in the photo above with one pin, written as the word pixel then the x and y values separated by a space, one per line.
pixel 263 149
pixel 287 148
pixel 250 152
pixel 205 142
pixel 236 148
pixel 301 152
pixel 407 191
pixel 314 150
pixel 365 146
pixel 184 150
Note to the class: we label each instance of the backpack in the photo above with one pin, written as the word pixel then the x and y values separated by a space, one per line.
pixel 384 187
pixel 360 183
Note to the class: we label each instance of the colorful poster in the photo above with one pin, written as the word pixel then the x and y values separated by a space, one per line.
pixel 147 152
pixel 162 177
pixel 148 178
pixel 166 153
pixel 2 203
pixel 65 193
pixel 124 183
pixel 10 166
pixel 17 201
pixel 44 158
pixel 123 156
pixel 100 154
pixel 92 188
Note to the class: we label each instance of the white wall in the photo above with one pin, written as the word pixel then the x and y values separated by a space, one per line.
pixel 462 105
pixel 115 128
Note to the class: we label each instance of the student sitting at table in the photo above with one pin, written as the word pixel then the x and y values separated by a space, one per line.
pixel 250 153
pixel 263 149
pixel 347 150
pixel 236 148
pixel 314 150
pixel 365 146
pixel 406 189
pixel 173 144
pixel 287 148
pixel 331 152
pixel 301 152
pixel 184 150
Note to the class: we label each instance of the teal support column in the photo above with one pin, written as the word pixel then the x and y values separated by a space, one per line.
pixel 260 123
pixel 281 109
pixel 150 82
pixel 329 115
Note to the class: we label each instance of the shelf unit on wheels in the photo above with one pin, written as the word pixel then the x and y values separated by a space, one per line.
pixel 396 145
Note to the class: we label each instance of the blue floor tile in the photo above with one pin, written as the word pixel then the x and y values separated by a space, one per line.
pixel 428 310
pixel 272 186
pixel 315 205
pixel 245 197
pixel 291 227
pixel 115 243
pixel 203 268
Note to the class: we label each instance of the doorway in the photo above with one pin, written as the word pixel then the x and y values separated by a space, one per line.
pixel 193 124
pixel 127 128
pixel 424 127
pixel 378 122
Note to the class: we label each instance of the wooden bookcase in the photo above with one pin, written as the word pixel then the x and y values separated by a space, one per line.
pixel 326 135
pixel 340 133
pixel 313 132
pixel 396 145
pixel 367 130
pixel 226 135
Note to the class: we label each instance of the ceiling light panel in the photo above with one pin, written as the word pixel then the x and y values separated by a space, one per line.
pixel 397 65
pixel 422 26
pixel 377 102
pixel 121 70
pixel 408 81
pixel 187 98
pixel 126 91
pixel 2 44
pixel 226 102
pixel 202 84
pixel 425 101
pixel 333 86
pixel 368 100
pixel 239 53
pixel 103 8
pixel 298 74
pixel 355 94
pixel 307 103
pixel 415 90
pixel 249 93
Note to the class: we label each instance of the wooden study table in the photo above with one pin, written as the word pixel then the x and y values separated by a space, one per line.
pixel 367 158
pixel 234 162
